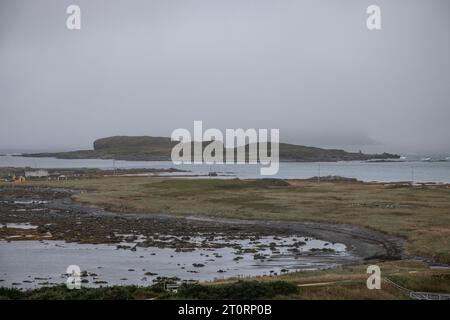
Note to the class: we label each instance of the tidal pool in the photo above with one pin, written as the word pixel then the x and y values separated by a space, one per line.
pixel 31 264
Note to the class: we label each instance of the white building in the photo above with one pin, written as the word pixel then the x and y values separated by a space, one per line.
pixel 36 174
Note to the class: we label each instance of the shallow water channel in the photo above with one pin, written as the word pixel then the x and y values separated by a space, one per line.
pixel 31 264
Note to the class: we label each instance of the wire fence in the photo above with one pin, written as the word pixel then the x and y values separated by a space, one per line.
pixel 418 295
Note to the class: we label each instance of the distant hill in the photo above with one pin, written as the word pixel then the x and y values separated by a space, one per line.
pixel 144 148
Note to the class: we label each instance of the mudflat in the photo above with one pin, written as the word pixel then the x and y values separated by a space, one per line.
pixel 419 214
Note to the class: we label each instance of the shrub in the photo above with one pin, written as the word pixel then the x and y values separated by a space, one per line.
pixel 250 290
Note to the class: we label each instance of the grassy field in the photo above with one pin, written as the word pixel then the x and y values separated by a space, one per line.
pixel 421 215
pixel 349 282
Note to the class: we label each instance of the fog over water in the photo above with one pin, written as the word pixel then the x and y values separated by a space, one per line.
pixel 308 67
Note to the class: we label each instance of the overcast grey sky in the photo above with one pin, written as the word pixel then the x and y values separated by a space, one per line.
pixel 147 67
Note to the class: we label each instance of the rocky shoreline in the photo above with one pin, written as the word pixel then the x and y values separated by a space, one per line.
pixel 58 217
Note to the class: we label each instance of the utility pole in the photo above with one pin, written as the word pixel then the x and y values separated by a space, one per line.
pixel 318 169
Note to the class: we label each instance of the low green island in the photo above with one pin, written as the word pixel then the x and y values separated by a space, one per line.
pixel 145 148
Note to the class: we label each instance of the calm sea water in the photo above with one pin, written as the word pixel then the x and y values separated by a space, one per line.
pixel 417 171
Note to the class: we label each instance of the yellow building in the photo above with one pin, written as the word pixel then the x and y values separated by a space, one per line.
pixel 18 179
